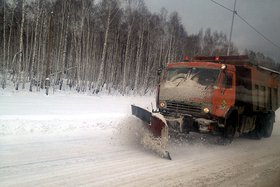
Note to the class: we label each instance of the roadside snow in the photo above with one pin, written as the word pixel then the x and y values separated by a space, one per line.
pixel 37 113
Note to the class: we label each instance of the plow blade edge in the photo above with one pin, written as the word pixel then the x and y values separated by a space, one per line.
pixel 156 125
pixel 155 122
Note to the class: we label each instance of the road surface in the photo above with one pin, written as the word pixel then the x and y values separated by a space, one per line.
pixel 109 153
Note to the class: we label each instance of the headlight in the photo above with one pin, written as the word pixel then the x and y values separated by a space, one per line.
pixel 162 104
pixel 223 66
pixel 206 110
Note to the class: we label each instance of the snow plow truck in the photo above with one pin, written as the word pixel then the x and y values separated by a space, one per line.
pixel 224 95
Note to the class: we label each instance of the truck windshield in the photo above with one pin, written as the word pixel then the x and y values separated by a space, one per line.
pixel 203 76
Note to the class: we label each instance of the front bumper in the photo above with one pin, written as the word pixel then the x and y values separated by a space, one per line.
pixel 179 109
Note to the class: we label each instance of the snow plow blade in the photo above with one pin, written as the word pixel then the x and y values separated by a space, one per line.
pixel 156 125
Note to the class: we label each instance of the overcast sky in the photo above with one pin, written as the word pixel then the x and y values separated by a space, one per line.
pixel 264 15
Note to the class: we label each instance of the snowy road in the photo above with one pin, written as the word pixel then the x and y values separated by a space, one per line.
pixel 90 141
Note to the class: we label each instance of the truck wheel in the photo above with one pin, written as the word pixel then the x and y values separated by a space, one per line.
pixel 260 123
pixel 258 134
pixel 230 129
pixel 268 126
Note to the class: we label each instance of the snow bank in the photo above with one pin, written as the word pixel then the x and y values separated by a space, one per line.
pixel 33 113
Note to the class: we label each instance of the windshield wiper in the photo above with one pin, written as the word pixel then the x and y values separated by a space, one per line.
pixel 183 80
pixel 195 75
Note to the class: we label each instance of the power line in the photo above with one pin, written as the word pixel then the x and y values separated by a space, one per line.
pixel 221 5
pixel 245 21
pixel 273 43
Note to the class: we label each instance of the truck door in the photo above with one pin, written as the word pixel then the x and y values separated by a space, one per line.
pixel 224 94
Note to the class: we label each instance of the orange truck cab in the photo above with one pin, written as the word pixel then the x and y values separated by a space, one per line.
pixel 227 95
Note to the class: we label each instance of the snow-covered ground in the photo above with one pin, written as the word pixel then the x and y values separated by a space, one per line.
pixel 82 140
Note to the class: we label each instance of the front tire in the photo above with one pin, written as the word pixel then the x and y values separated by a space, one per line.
pixel 230 129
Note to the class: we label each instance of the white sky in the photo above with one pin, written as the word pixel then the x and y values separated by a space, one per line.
pixel 263 15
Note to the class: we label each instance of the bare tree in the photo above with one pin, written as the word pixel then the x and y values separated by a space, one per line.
pixel 130 23
pixel 50 51
pixel 100 78
pixel 4 47
pixel 31 73
pixel 19 70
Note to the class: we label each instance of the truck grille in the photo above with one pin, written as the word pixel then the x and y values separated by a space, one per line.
pixel 183 108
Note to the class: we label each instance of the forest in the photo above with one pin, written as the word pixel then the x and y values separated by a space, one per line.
pixel 91 46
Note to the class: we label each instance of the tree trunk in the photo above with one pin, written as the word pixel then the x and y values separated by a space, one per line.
pixel 5 67
pixel 138 60
pixel 126 59
pixel 31 73
pixel 40 73
pixel 9 39
pixel 64 53
pixel 49 62
pixel 20 45
pixel 100 78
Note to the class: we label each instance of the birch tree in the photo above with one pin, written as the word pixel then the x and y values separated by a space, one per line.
pixel 130 22
pixel 4 47
pixel 19 70
pixel 100 77
pixel 31 73
pixel 50 51
pixel 10 34
pixel 138 57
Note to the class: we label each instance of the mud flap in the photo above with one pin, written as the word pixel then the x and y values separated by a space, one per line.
pixel 156 125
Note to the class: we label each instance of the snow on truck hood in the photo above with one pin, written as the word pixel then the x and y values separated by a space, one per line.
pixel 182 90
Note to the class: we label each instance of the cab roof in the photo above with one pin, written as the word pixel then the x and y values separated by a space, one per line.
pixel 216 61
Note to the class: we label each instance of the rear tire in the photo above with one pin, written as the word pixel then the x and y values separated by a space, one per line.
pixel 268 126
pixel 260 123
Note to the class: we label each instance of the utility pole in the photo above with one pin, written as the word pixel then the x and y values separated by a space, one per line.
pixel 232 21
